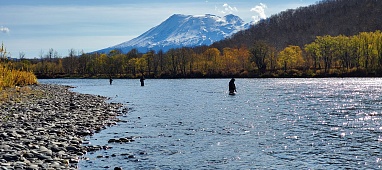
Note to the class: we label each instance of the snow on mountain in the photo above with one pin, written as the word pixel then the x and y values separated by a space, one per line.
pixel 183 31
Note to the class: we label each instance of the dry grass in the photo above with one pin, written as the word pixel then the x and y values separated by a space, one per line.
pixel 19 94
pixel 12 78
pixel 12 82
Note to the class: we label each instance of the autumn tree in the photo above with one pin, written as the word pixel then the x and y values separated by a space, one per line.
pixel 291 58
pixel 378 44
pixel 160 59
pixel 327 48
pixel 342 48
pixel 70 63
pixel 173 62
pixel 132 56
pixel 119 63
pixel 230 62
pixel 243 58
pixel 157 61
pixel 211 56
pixel 184 58
pixel 83 61
pixel 271 60
pixel 101 62
pixel 259 53
pixel 132 66
pixel 191 57
pixel 141 64
pixel 367 50
pixel 314 55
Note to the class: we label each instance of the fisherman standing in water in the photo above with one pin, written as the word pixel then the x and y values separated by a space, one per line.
pixel 110 80
pixel 232 86
pixel 142 80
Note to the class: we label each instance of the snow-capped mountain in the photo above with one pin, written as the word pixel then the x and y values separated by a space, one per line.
pixel 183 31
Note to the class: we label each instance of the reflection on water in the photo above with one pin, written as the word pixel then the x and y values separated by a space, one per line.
pixel 269 124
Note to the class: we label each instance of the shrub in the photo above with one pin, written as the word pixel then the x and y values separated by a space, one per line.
pixel 11 78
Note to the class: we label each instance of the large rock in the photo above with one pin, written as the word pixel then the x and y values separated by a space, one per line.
pixel 10 157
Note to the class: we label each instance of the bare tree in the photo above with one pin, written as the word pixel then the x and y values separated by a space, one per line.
pixel 21 55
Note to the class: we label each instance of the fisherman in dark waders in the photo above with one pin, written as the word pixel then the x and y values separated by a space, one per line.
pixel 232 87
pixel 110 80
pixel 142 80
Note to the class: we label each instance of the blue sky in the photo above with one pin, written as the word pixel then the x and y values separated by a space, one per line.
pixel 33 27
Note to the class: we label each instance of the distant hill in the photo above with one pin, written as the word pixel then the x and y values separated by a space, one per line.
pixel 301 26
pixel 183 31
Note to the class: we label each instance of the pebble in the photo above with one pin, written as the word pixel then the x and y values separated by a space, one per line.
pixel 45 128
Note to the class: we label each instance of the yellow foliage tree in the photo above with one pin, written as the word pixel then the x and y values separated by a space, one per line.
pixel 212 61
pixel 290 58
pixel 141 64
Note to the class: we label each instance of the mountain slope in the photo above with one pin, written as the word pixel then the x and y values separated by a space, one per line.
pixel 183 31
pixel 302 25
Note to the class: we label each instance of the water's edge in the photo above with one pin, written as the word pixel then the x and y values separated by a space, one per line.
pixel 44 126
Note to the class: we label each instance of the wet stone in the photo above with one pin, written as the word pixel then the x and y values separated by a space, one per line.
pixel 44 128
pixel 10 157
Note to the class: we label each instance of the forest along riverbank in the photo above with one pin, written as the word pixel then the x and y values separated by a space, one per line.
pixel 43 126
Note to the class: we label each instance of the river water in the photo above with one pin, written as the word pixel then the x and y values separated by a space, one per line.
pixel 332 123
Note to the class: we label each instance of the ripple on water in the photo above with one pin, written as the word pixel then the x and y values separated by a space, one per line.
pixel 269 124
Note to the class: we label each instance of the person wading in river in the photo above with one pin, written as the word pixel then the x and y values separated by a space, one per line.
pixel 142 80
pixel 232 86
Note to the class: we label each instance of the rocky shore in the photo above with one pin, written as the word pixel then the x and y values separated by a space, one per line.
pixel 43 126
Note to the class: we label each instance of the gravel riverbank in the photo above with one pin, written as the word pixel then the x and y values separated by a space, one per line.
pixel 43 126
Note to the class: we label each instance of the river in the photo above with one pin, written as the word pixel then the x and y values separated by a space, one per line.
pixel 331 123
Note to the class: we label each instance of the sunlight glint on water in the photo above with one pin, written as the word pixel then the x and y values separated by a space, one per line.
pixel 269 124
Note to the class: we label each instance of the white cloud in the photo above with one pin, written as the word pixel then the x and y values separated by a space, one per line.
pixel 227 9
pixel 4 29
pixel 260 11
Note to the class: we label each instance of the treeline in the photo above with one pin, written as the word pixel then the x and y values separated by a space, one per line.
pixel 330 38
pixel 175 63
pixel 301 26
pixel 358 55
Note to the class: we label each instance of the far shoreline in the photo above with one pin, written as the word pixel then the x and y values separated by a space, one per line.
pixel 209 77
